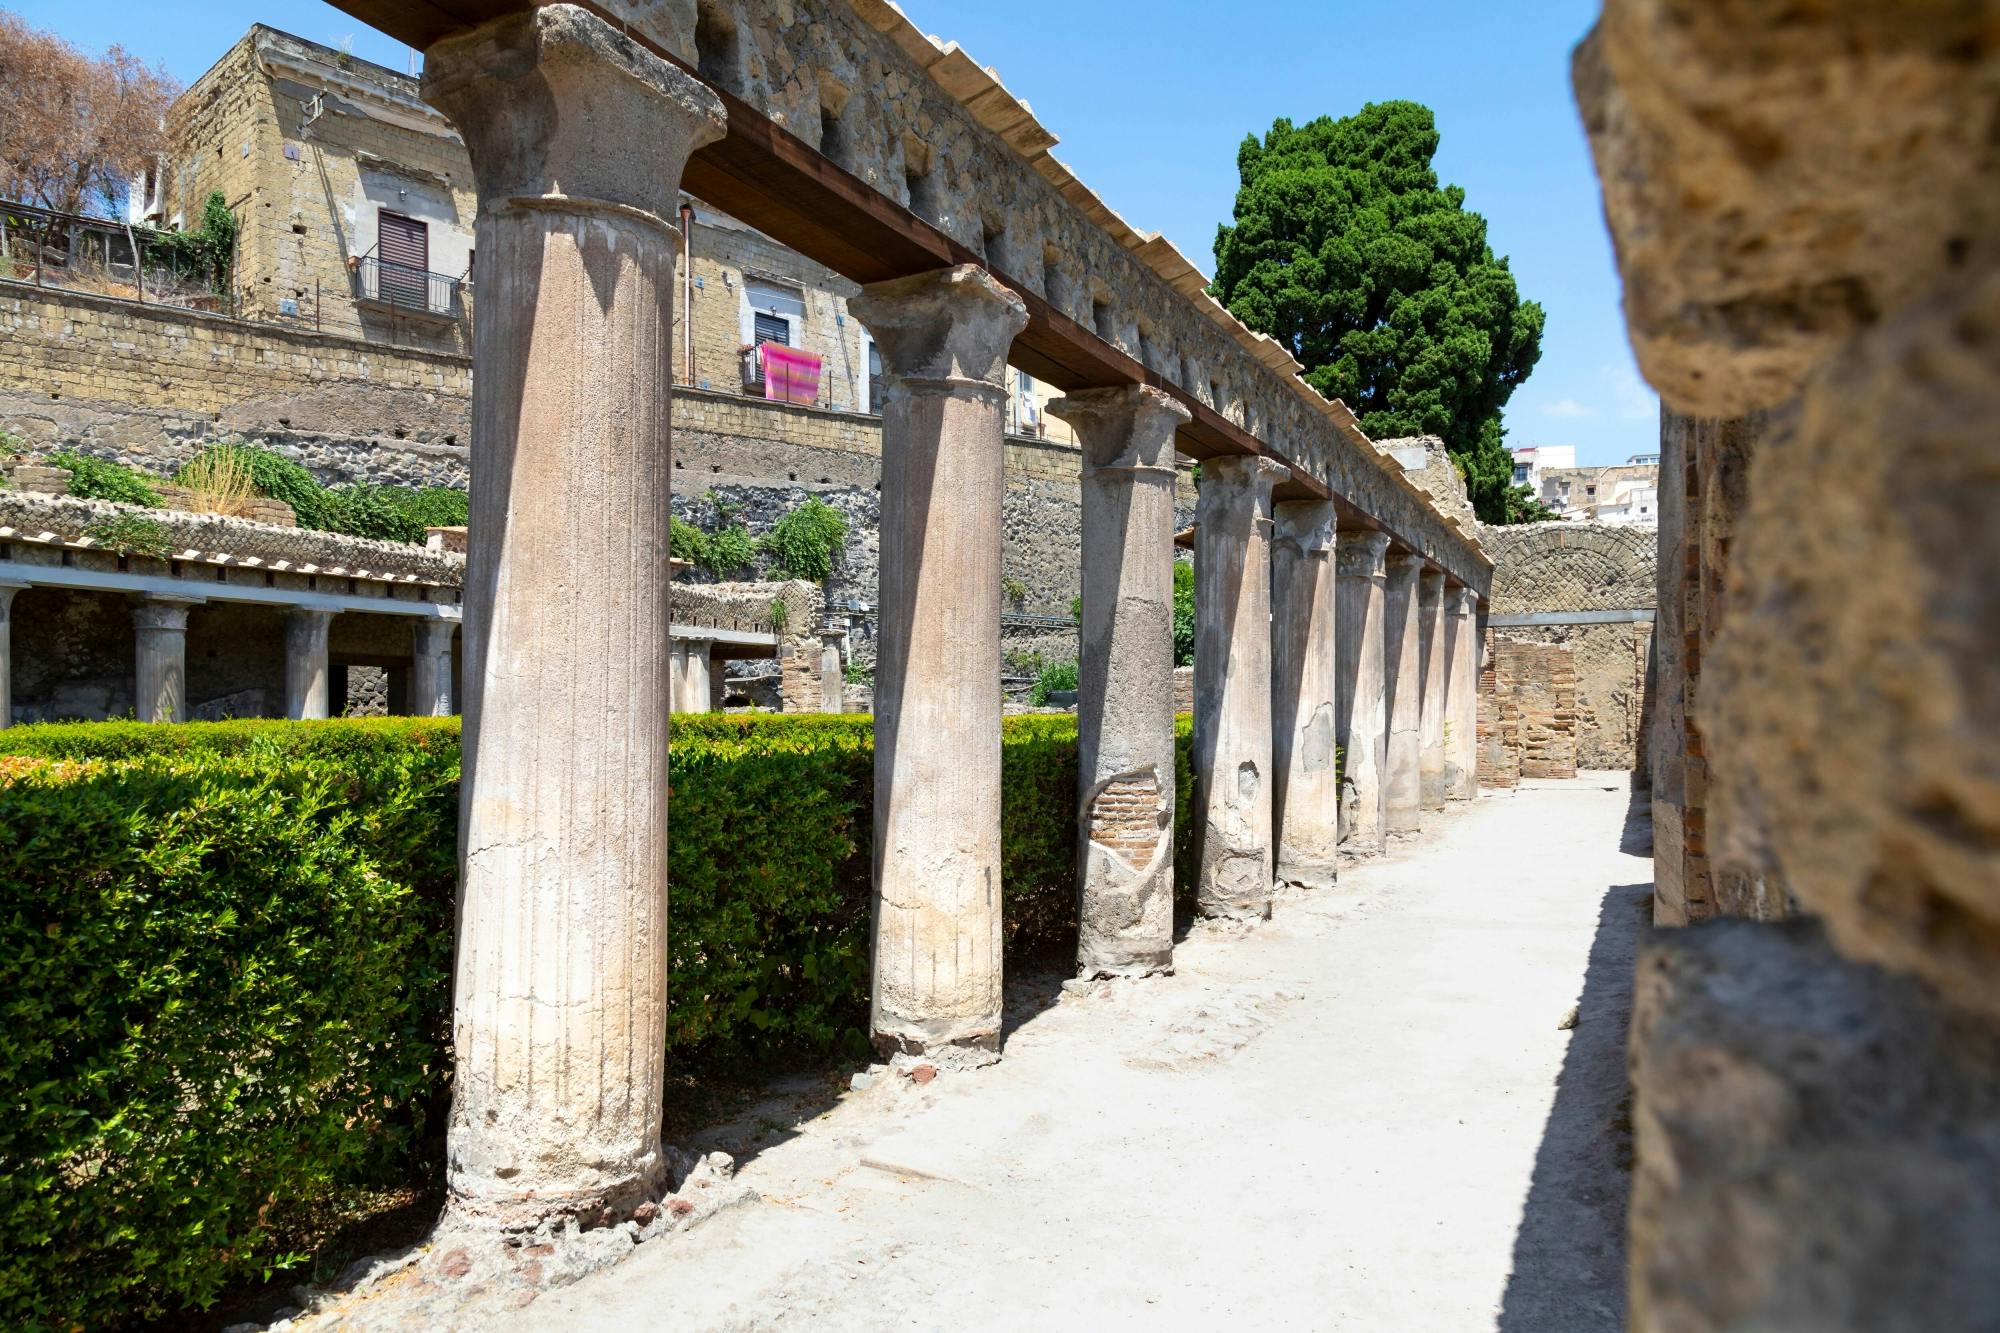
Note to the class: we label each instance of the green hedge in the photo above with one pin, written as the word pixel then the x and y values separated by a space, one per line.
pixel 224 981
pixel 225 952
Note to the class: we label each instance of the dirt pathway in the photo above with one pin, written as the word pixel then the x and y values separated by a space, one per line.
pixel 1364 1115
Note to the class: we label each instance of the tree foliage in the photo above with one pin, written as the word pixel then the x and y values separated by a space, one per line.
pixel 1346 249
pixel 76 128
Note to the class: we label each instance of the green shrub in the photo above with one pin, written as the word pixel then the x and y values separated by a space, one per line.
pixel 224 980
pixel 728 551
pixel 384 513
pixel 685 541
pixel 1183 613
pixel 1055 676
pixel 804 542
pixel 225 947
pixel 281 479
pixel 100 479
pixel 132 534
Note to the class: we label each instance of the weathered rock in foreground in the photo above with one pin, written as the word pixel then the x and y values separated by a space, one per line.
pixel 1818 1141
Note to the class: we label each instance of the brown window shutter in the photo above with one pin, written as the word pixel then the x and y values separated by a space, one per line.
pixel 404 247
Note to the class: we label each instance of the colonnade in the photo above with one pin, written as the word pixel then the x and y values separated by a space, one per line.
pixel 561 972
pixel 159 660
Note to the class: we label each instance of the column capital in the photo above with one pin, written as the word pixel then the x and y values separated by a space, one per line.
pixel 1406 563
pixel 1248 472
pixel 1460 600
pixel 1128 428
pixel 1307 525
pixel 1360 555
pixel 559 109
pixel 952 326
pixel 435 636
pixel 1430 586
pixel 311 615
pixel 163 613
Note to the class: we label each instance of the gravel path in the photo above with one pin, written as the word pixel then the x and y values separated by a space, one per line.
pixel 1367 1114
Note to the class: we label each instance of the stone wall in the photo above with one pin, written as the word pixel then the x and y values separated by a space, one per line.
pixel 1804 202
pixel 1546 569
pixel 1532 728
pixel 152 385
pixel 1499 725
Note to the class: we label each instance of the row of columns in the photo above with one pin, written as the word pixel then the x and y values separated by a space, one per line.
pixel 1364 665
pixel 159 665
pixel 561 967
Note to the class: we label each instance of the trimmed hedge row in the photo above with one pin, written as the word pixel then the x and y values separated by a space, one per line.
pixel 225 954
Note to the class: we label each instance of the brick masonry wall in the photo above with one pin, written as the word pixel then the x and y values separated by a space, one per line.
pixel 1499 724
pixel 1540 681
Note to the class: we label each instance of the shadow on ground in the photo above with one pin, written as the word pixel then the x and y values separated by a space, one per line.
pixel 1569 1254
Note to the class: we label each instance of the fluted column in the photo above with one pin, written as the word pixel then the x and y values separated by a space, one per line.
pixel 1232 683
pixel 1461 692
pixel 577 138
pixel 1360 704
pixel 159 676
pixel 1403 672
pixel 7 591
pixel 944 339
pixel 1305 714
pixel 305 662
pixel 1433 651
pixel 430 670
pixel 692 675
pixel 1125 698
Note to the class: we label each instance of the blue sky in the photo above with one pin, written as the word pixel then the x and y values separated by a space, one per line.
pixel 1151 99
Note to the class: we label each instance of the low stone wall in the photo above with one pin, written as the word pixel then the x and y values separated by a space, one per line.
pixel 152 385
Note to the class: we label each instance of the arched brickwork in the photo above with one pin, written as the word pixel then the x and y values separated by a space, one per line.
pixel 1544 568
pixel 1571 567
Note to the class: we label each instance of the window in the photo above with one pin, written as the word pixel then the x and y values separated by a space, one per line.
pixel 771 314
pixel 403 249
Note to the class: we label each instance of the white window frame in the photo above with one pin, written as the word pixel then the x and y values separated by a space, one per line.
pixel 747 313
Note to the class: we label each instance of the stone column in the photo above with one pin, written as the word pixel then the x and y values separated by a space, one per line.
pixel 7 591
pixel 430 670
pixel 1434 654
pixel 1232 685
pixel 1361 706
pixel 160 664
pixel 1461 693
pixel 1304 667
pixel 1403 672
pixel 831 676
pixel 577 138
pixel 305 663
pixel 944 339
pixel 692 673
pixel 1125 698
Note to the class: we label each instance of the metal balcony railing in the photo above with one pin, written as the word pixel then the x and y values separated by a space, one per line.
pixel 407 288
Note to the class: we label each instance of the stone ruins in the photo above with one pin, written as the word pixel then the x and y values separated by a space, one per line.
pixel 908 147
pixel 1803 202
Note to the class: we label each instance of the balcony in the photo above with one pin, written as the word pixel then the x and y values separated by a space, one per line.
pixel 388 285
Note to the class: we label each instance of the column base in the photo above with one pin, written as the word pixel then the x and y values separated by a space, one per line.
pixel 1306 874
pixel 1130 969
pixel 944 1053
pixel 512 1210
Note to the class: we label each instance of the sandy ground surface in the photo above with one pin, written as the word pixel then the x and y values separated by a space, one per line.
pixel 1366 1114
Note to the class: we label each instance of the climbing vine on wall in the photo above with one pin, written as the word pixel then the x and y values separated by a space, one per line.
pixel 208 250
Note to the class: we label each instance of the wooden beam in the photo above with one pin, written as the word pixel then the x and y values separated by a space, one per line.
pixel 768 178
